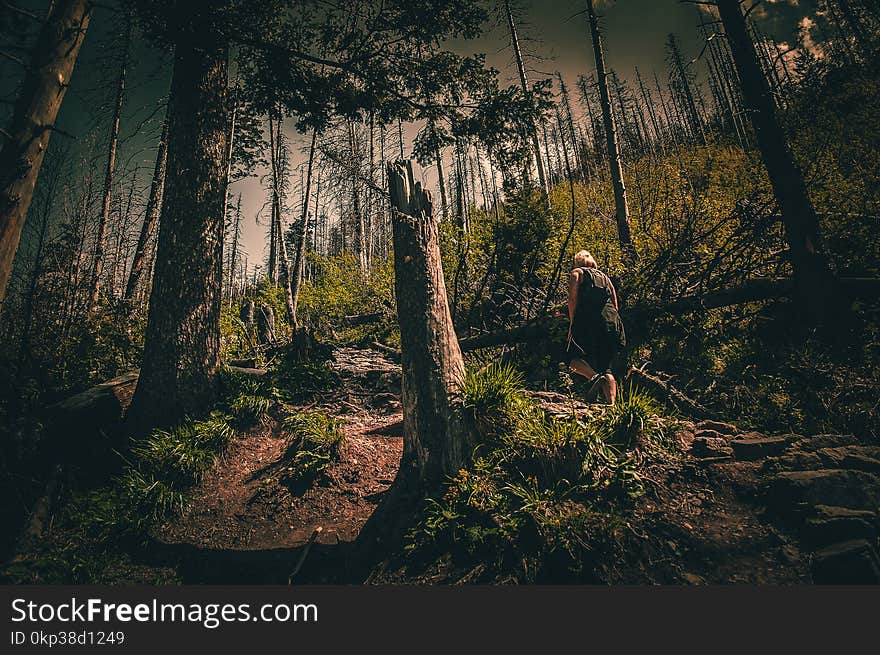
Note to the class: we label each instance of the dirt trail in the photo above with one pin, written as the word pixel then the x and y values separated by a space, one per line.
pixel 708 524
pixel 240 505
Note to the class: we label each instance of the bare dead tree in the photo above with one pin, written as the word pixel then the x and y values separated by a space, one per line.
pixel 302 236
pixel 151 217
pixel 33 120
pixel 435 441
pixel 524 82
pixel 101 240
pixel 814 279
pixel 624 233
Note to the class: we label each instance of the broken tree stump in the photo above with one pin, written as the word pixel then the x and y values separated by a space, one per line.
pixel 435 442
pixel 265 324
pixel 85 429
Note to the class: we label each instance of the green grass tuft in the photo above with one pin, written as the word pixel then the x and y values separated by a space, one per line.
pixel 491 400
pixel 317 441
pixel 634 417
pixel 182 454
pixel 541 493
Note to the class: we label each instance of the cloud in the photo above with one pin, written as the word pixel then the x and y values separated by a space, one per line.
pixel 783 20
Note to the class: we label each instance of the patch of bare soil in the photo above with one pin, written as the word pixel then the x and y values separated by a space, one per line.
pixel 241 505
pixel 703 527
pixel 243 524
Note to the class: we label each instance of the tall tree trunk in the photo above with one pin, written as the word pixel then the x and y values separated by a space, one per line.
pixel 667 117
pixel 299 259
pixel 101 241
pixel 434 440
pixel 151 216
pixel 277 161
pixel 685 88
pixel 182 341
pixel 621 207
pixel 371 179
pixel 444 207
pixel 814 279
pixel 120 257
pixel 557 269
pixel 230 142
pixel 318 246
pixel 579 159
pixel 33 119
pixel 438 156
pixel 524 82
pixel 273 231
pixel 649 103
pixel 598 143
pixel 360 232
pixel 233 252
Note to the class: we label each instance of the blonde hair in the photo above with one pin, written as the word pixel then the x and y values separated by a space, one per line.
pixel 583 259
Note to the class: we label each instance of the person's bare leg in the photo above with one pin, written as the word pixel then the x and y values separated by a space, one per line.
pixel 610 388
pixel 580 367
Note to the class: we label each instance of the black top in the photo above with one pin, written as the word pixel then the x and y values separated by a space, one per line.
pixel 595 317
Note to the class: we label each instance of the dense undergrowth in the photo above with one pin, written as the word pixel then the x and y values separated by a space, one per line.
pixel 543 497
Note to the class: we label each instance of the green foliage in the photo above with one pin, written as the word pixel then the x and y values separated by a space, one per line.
pixel 247 397
pixel 540 492
pixel 84 548
pixel 298 378
pixel 491 396
pixel 183 453
pixel 152 488
pixel 636 414
pixel 316 441
pixel 338 289
pixel 249 408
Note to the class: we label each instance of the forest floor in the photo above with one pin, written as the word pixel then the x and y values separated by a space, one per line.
pixel 733 507
pixel 740 508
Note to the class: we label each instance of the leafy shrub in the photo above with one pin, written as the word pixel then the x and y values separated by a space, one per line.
pixel 299 379
pixel 540 492
pixel 338 288
pixel 248 398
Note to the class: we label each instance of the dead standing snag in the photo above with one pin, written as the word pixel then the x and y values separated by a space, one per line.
pixel 434 441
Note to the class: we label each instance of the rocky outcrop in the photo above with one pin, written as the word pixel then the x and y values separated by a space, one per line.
pixel 825 488
pixel 849 562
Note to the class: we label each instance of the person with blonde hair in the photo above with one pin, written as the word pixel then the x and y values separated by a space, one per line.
pixel 595 333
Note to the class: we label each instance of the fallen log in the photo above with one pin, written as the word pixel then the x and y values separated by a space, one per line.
pixel 668 393
pixel 96 408
pixel 753 290
pixel 248 370
pixel 394 353
pixel 528 332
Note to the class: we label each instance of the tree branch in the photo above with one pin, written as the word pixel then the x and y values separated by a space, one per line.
pixel 23 12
